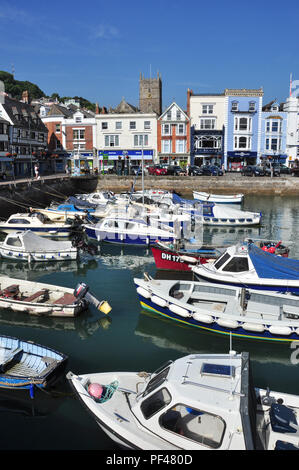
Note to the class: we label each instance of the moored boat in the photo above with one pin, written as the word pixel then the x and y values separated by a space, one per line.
pixel 36 298
pixel 38 223
pixel 218 198
pixel 25 364
pixel 247 265
pixel 197 402
pixel 244 313
pixel 27 246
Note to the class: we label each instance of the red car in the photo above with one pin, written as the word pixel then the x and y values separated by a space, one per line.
pixel 157 170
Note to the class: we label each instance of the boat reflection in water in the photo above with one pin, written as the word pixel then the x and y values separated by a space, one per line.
pixel 229 236
pixel 124 257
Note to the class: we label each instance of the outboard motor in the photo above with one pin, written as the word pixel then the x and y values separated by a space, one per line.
pixel 81 293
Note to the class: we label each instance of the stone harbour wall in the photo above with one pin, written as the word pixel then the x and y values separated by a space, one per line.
pixel 230 183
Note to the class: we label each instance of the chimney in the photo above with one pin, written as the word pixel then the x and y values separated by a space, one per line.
pixel 25 97
pixel 97 108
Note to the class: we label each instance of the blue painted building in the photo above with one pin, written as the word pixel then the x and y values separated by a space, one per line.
pixel 274 133
pixel 242 138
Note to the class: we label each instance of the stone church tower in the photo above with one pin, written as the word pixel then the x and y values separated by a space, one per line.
pixel 150 95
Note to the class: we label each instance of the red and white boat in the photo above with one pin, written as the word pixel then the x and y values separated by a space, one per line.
pixel 179 258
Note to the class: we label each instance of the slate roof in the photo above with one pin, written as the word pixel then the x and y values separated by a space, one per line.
pixel 20 113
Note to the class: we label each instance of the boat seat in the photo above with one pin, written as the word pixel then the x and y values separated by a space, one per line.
pixel 10 357
pixel 10 291
pixel 283 419
pixel 66 299
pixel 291 311
pixel 36 295
pixel 263 309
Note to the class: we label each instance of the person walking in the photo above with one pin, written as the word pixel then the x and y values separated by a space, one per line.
pixel 36 171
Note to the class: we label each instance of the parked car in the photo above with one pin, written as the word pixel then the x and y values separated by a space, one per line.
pixel 275 170
pixel 294 171
pixel 175 170
pixel 137 170
pixel 157 170
pixel 195 170
pixel 211 170
pixel 253 170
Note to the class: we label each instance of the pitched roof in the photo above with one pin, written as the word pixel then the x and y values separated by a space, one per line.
pixel 22 114
pixel 61 111
pixel 124 108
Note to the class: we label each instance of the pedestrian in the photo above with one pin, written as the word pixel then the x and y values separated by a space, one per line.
pixel 67 169
pixel 36 171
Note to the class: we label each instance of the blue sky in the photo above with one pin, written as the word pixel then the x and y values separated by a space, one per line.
pixel 97 49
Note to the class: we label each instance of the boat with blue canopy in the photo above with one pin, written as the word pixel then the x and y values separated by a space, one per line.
pixel 246 265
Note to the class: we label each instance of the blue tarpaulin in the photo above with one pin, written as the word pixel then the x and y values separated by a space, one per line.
pixel 271 266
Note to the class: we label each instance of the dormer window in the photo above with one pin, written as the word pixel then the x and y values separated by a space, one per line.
pixel 235 106
pixel 252 106
pixel 78 118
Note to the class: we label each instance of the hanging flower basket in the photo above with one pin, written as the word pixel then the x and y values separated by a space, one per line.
pixel 8 154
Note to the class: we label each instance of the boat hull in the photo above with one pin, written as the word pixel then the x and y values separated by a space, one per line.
pixel 124 239
pixel 41 231
pixel 218 199
pixel 172 261
pixel 213 327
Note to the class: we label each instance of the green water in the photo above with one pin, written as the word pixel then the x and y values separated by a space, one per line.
pixel 130 339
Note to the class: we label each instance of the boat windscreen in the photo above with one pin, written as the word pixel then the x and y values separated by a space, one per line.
pixel 220 261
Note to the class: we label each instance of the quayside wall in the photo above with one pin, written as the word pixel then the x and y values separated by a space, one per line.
pixel 17 196
pixel 230 183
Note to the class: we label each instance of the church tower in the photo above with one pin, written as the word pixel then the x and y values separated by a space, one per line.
pixel 150 95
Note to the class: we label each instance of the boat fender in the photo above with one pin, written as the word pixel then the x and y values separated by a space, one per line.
pixel 202 317
pixel 143 292
pixel 280 330
pixel 95 390
pixel 258 328
pixel 157 300
pixel 179 310
pixel 228 323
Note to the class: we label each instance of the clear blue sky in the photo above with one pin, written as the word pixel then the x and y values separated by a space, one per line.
pixel 96 49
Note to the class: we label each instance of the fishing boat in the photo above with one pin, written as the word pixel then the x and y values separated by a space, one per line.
pixel 247 265
pixel 129 231
pixel 27 246
pixel 180 256
pixel 197 402
pixel 38 223
pixel 185 253
pixel 218 198
pixel 36 298
pixel 25 364
pixel 245 313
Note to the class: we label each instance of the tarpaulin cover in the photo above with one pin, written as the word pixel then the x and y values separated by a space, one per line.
pixel 271 266
pixel 80 203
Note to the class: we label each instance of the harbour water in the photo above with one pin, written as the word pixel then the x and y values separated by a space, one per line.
pixel 129 338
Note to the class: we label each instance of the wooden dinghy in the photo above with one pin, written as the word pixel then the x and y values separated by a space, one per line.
pixel 36 298
pixel 25 364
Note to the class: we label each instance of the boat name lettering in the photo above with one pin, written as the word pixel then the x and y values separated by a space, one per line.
pixel 170 257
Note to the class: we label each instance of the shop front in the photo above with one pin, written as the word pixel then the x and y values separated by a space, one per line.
pixel 80 164
pixel 237 159
pixel 207 148
pixel 120 161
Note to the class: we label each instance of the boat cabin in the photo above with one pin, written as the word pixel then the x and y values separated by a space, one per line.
pixel 200 400
pixel 234 260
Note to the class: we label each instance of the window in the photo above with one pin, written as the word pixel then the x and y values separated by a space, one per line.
pixel 207 108
pixel 118 125
pixel 13 242
pixel 168 116
pixel 104 125
pixel 273 126
pixel 78 119
pixel 166 146
pixel 132 125
pixel 155 403
pixel 147 125
pixel 243 124
pixel 252 106
pixel 178 115
pixel 57 128
pixel 166 129
pixel 237 264
pixel 78 134
pixel 111 140
pixel 209 141
pixel 235 106
pixel 207 124
pixel 180 146
pixel 273 144
pixel 140 140
pixel 198 425
pixel 181 129
pixel 220 261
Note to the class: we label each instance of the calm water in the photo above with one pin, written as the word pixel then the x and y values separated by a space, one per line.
pixel 129 339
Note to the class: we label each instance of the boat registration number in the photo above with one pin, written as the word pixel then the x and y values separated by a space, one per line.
pixel 169 257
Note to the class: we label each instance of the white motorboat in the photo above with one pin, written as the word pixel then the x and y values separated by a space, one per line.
pixel 129 231
pixel 197 402
pixel 27 246
pixel 228 310
pixel 218 198
pixel 36 222
pixel 247 265
pixel 36 298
